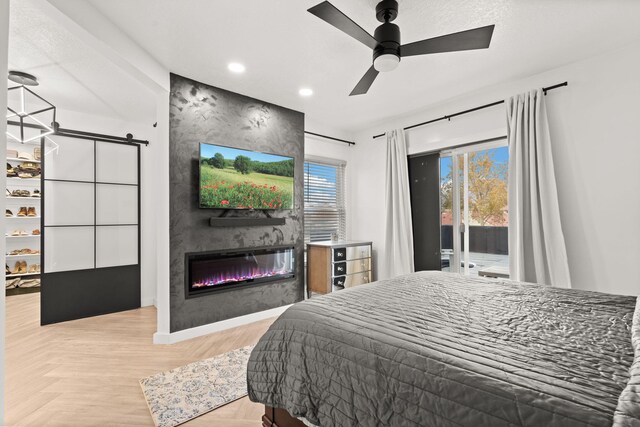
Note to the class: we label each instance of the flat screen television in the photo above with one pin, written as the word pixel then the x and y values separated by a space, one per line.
pixel 231 178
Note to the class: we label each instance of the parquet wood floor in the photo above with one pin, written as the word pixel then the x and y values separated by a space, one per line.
pixel 85 372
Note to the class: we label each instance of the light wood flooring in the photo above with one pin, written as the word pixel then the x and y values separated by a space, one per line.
pixel 85 372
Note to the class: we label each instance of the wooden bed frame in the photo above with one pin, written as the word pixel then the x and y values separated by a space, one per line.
pixel 276 417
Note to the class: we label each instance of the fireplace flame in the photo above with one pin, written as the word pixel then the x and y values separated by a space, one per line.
pixel 238 277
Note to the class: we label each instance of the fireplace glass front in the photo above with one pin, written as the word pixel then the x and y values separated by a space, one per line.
pixel 212 271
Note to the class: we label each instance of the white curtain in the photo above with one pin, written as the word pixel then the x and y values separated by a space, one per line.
pixel 399 232
pixel 537 251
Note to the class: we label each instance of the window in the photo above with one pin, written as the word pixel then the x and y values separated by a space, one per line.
pixel 324 201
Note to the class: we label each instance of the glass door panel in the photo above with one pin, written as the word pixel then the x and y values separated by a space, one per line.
pixel 487 208
pixel 474 210
pixel 446 213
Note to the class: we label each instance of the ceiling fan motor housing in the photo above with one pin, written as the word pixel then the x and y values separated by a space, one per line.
pixel 388 37
pixel 386 54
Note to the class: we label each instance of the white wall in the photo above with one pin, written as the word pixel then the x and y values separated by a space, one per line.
pixel 322 147
pixel 595 129
pixel 145 131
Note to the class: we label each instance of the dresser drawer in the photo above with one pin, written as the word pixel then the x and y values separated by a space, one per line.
pixel 351 267
pixel 351 252
pixel 339 281
pixel 353 279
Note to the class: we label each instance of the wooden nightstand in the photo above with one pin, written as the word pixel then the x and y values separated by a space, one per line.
pixel 338 265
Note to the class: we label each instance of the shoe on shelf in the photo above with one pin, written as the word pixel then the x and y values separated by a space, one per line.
pixel 22 211
pixel 11 172
pixel 36 232
pixel 7 270
pixel 30 283
pixel 8 213
pixel 29 167
pixel 20 268
pixel 36 193
pixel 20 193
pixel 34 268
pixel 31 211
pixel 18 233
pixel 13 283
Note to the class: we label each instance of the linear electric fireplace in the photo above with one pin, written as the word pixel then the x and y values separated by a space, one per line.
pixel 214 271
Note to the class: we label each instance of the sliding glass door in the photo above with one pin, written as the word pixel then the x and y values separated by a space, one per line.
pixel 474 209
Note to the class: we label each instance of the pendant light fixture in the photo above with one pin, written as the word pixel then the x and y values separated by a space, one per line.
pixel 27 111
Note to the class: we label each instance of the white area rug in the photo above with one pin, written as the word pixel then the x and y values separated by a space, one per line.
pixel 179 395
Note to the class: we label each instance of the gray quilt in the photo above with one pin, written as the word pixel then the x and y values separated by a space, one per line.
pixel 438 349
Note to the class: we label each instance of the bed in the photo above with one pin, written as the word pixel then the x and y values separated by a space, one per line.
pixel 439 349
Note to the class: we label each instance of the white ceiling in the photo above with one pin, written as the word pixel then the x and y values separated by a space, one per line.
pixel 72 75
pixel 284 48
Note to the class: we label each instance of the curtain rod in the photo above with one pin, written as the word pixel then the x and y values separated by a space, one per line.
pixel 330 137
pixel 471 110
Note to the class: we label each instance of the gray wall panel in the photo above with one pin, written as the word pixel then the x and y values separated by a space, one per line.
pixel 202 113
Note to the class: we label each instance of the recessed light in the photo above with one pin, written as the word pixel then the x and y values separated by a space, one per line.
pixel 236 67
pixel 305 91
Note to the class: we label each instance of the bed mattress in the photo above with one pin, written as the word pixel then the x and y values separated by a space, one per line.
pixel 441 349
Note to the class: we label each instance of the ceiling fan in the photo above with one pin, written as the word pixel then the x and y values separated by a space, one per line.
pixel 385 41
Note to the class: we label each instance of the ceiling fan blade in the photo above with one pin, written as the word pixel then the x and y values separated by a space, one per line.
pixel 329 13
pixel 365 82
pixel 478 38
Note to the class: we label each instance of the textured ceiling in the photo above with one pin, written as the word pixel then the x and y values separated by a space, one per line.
pixel 284 48
pixel 72 75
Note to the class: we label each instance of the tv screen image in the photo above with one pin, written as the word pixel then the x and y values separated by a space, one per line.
pixel 231 178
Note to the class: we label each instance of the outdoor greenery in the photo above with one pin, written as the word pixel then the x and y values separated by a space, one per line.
pixel 217 161
pixel 242 164
pixel 487 188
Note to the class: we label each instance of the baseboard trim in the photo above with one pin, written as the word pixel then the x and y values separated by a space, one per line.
pixel 146 302
pixel 198 331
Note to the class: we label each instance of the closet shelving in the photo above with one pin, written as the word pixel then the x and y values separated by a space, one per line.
pixel 18 281
pixel 24 217
pixel 22 274
pixel 16 159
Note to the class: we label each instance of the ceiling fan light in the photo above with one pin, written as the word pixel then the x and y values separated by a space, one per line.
pixel 386 62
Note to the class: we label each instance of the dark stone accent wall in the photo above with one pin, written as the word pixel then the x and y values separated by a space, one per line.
pixel 201 113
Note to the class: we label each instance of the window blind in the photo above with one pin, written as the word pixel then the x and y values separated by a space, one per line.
pixel 324 201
